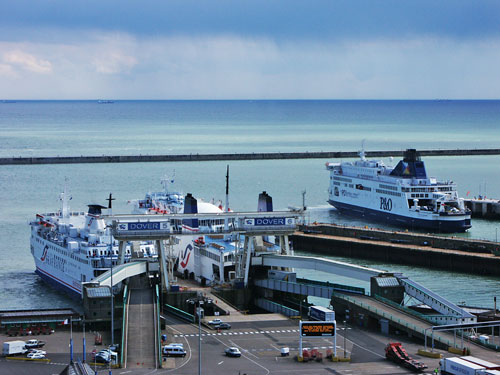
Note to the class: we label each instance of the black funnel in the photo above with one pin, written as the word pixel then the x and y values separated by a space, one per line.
pixel 190 207
pixel 265 203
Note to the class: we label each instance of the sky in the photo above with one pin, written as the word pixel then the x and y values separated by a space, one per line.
pixel 257 49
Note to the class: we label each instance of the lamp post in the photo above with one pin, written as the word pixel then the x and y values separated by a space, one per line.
pixel 345 334
pixel 200 311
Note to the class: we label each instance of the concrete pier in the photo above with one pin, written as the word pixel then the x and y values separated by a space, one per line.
pixel 235 156
pixel 484 208
pixel 475 257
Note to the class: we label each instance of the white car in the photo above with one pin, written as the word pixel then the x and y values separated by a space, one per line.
pixel 215 322
pixel 233 352
pixel 36 356
pixel 37 351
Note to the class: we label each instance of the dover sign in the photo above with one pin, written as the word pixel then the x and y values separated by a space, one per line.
pixel 146 226
pixel 270 221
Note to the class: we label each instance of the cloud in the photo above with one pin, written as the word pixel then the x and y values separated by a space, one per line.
pixel 122 66
pixel 113 63
pixel 6 70
pixel 27 62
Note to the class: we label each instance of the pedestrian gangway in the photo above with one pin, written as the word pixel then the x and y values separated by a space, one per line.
pixel 119 273
pixel 332 267
pixel 451 312
pixel 307 287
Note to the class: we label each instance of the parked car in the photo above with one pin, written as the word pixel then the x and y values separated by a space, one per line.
pixel 36 356
pixel 37 351
pixel 34 343
pixel 233 352
pixel 223 326
pixel 215 322
pixel 174 350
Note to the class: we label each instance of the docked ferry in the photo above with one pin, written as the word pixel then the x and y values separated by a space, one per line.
pixel 403 195
pixel 73 247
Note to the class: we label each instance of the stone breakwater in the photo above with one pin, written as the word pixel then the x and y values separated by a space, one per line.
pixel 235 156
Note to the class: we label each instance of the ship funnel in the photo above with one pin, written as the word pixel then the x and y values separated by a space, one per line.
pixel 265 203
pixel 190 207
pixel 95 209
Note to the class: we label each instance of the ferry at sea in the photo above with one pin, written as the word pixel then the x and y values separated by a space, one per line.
pixel 403 195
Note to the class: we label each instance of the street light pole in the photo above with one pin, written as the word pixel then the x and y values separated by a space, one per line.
pixel 345 334
pixel 200 310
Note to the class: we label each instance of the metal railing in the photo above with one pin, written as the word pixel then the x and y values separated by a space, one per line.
pixel 401 322
pixel 124 326
pixel 179 313
pixel 337 287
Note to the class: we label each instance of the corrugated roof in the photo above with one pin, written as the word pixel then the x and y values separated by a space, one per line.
pixel 99 292
pixel 387 281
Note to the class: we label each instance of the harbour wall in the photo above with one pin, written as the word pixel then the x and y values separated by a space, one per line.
pixel 468 260
pixel 235 156
pixel 484 208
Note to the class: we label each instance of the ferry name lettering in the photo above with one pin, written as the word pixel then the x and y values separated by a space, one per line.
pixel 346 193
pixel 385 204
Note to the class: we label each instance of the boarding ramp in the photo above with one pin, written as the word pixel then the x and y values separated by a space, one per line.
pixel 306 287
pixel 449 312
pixel 332 267
pixel 452 314
pixel 141 344
pixel 121 272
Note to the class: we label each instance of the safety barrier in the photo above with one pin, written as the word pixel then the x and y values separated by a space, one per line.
pixel 337 287
pixel 158 327
pixel 275 307
pixel 124 325
pixel 179 313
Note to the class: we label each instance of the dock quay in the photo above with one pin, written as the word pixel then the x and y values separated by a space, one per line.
pixel 236 156
pixel 426 250
pixel 484 208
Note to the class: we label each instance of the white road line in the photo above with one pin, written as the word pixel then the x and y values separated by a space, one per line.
pixel 220 363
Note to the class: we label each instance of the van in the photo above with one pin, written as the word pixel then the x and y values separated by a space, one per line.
pixel 174 350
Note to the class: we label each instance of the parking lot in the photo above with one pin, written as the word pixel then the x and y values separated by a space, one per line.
pixel 259 341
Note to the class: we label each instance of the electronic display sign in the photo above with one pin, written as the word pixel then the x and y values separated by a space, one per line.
pixel 317 329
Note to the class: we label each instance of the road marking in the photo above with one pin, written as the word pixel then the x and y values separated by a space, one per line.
pixel 220 363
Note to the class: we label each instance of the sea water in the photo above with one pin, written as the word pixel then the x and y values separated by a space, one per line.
pixel 69 128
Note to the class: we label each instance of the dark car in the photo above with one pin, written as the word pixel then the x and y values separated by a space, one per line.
pixel 223 326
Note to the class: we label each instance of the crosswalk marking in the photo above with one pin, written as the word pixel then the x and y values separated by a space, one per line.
pixel 234 333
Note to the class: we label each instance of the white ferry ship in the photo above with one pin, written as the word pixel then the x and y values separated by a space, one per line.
pixel 70 248
pixel 404 195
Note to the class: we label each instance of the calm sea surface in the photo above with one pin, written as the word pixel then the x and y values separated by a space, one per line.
pixel 65 128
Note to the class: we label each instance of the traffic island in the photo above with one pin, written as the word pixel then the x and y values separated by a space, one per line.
pixel 426 353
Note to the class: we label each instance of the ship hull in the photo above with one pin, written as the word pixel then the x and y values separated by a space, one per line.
pixel 434 225
pixel 58 284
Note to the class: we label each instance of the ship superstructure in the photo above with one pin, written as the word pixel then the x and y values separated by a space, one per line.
pixel 70 248
pixel 403 195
